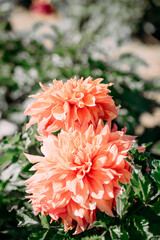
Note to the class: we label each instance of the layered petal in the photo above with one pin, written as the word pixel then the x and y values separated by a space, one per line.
pixel 63 105
pixel 79 172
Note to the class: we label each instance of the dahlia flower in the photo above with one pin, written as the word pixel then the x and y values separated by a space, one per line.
pixel 79 173
pixel 62 105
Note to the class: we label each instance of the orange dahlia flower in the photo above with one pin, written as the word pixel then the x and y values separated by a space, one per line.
pixel 62 105
pixel 79 173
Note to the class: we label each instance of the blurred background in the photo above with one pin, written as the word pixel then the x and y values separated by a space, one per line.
pixel 114 39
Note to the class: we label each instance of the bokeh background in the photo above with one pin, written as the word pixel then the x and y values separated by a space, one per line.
pixel 118 40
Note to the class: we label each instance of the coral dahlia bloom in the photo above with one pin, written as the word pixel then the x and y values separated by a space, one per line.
pixel 79 173
pixel 62 105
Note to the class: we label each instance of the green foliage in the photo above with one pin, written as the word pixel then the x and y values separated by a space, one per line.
pixel 156 173
pixel 14 171
pixel 116 18
pixel 38 236
pixel 137 210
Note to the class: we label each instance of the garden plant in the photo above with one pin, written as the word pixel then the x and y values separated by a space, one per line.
pixel 74 169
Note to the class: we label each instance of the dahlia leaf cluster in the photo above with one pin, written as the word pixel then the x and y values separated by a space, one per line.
pixel 88 163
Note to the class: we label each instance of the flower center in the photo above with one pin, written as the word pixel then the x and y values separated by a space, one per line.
pixel 81 162
pixel 83 169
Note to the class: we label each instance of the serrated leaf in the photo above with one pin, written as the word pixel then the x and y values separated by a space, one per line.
pixel 60 235
pixel 44 222
pixel 38 236
pixel 11 172
pixel 99 224
pixel 117 233
pixel 156 207
pixel 121 205
pixel 141 184
pixel 125 235
pixel 142 225
pixel 122 200
pixel 96 237
pixel 25 219
pixel 155 174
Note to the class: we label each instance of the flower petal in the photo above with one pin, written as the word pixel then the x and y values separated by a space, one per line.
pixel 89 100
pixel 33 159
pixel 95 188
pixel 105 206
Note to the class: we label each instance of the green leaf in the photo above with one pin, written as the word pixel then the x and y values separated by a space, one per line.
pixel 117 233
pixel 56 233
pixel 156 206
pixel 155 238
pixel 99 223
pixel 124 235
pixel 121 205
pixel 122 200
pixel 25 219
pixel 141 184
pixel 6 157
pixel 143 225
pixel 15 138
pixel 39 236
pixel 11 172
pixel 155 174
pixel 44 222
pixel 95 237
